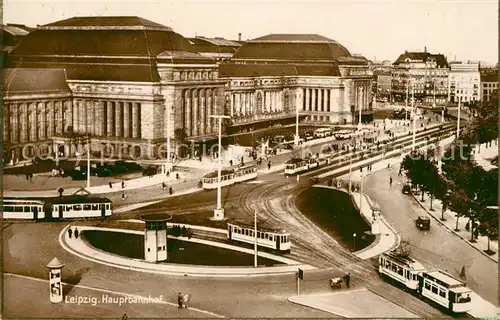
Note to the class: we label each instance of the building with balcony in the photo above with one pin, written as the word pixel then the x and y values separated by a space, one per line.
pixel 132 82
pixel 218 48
pixel 271 77
pixel 489 85
pixel 423 73
pixel 464 82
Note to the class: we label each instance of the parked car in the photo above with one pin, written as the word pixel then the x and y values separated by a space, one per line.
pixel 406 189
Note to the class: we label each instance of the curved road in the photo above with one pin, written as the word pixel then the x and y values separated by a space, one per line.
pixel 438 248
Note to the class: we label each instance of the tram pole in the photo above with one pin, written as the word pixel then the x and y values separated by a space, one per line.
pixel 414 117
pixel 219 211
pixel 255 242
pixel 350 170
pixel 88 161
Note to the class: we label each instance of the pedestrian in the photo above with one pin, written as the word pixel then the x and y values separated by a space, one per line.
pixel 462 273
pixel 110 185
pixel 186 300
pixel 390 181
pixel 123 195
pixel 347 279
pixel 179 299
pixel 163 185
pixel 170 191
pixel 269 165
pixel 76 233
pixel 70 232
pixel 123 184
pixel 231 163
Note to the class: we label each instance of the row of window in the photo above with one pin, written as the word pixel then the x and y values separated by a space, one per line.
pixel 319 118
pixel 226 177
pixel 192 75
pixel 398 269
pixel 434 289
pixel 490 85
pixel 246 171
pixel 262 235
pixel 84 207
pixel 21 208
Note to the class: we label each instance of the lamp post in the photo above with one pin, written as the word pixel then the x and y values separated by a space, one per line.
pixel 350 170
pixel 361 193
pixel 458 118
pixel 360 105
pixel 406 101
pixel 219 211
pixel 88 161
pixel 297 138
pixel 414 117
pixel 354 242
pixel 255 234
pixel 434 94
pixel 169 156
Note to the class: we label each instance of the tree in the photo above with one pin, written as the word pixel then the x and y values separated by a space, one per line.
pixel 489 226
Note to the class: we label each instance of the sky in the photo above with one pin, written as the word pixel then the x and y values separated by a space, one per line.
pixel 376 29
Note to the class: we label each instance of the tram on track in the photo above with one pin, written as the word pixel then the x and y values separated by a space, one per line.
pixel 276 239
pixel 70 207
pixel 229 177
pixel 436 285
pixel 297 165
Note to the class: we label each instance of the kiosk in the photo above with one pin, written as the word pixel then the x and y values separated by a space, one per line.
pixel 375 218
pixel 55 281
pixel 155 237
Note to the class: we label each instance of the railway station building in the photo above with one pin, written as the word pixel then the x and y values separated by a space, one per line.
pixel 126 83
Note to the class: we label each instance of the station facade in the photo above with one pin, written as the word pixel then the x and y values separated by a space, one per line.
pixel 126 83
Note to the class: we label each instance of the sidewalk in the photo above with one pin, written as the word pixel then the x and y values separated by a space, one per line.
pixel 81 249
pixel 132 184
pixel 450 223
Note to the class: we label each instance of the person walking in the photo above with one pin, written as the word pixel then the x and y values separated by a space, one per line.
pixel 347 280
pixel 390 181
pixel 179 299
pixel 76 233
pixel 185 300
pixel 70 232
pixel 462 273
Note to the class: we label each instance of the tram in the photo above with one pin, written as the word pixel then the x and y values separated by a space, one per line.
pixel 437 285
pixel 24 209
pixel 276 239
pixel 229 177
pixel 81 207
pixel 297 165
pixel 70 207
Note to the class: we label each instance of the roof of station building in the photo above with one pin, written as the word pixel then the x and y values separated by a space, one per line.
pixel 104 48
pixel 292 47
pixel 219 45
pixel 261 70
pixel 34 81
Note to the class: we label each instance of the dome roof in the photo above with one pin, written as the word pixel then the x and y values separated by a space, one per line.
pixel 292 47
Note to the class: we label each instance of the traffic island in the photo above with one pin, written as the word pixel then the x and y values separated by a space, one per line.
pixel 334 212
pixel 179 252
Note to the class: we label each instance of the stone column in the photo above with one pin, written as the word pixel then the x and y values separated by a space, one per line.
pixel 23 123
pixel 314 102
pixel 211 109
pixel 188 114
pixel 139 119
pixel 110 130
pixel 203 110
pixel 7 123
pixel 119 119
pixel 195 113
pixel 49 119
pixel 305 95
pixel 135 120
pixel 232 101
pixel 126 119
pixel 101 118
pixel 326 94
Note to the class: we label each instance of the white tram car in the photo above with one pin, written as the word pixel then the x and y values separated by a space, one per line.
pixel 229 177
pixel 438 286
pixel 275 239
pixel 297 165
pixel 23 209
pixel 81 207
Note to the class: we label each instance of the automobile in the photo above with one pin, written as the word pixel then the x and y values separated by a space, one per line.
pixel 423 223
pixel 406 189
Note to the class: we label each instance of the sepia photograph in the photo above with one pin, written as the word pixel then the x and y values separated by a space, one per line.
pixel 176 159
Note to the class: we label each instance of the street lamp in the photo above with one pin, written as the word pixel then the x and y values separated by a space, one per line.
pixel 354 242
pixel 255 234
pixel 297 137
pixel 458 118
pixel 350 170
pixel 414 116
pixel 169 156
pixel 361 192
pixel 219 211
pixel 360 104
